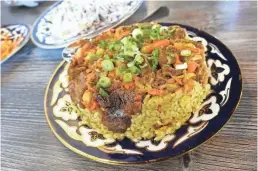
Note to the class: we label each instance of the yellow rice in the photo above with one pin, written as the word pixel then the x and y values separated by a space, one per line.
pixel 176 109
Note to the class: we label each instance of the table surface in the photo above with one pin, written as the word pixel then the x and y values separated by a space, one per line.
pixel 28 144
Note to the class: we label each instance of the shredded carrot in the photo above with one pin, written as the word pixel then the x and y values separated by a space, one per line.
pixel 156 44
pixel 129 85
pixel 177 59
pixel 155 92
pixel 8 45
pixel 110 53
pixel 93 105
pixel 192 66
pixel 112 74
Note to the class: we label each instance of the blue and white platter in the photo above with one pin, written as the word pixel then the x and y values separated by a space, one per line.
pixel 67 21
pixel 215 111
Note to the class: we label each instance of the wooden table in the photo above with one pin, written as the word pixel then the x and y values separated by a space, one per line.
pixel 28 144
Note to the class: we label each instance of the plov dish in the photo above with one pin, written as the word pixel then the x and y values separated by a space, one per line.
pixel 142 81
pixel 131 86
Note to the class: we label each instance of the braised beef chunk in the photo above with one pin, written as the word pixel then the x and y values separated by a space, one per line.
pixel 118 107
pixel 77 87
pixel 116 123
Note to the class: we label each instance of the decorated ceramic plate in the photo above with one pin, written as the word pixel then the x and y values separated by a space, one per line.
pixel 13 38
pixel 130 117
pixel 67 21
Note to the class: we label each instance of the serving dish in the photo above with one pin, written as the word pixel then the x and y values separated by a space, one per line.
pixel 67 21
pixel 213 114
pixel 19 34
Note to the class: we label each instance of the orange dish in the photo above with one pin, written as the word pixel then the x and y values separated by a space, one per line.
pixel 8 45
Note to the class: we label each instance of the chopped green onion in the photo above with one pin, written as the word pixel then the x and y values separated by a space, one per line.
pixel 139 59
pixel 185 53
pixel 128 77
pixel 137 33
pixel 103 44
pixel 162 29
pixel 129 46
pixel 102 92
pixel 135 70
pixel 143 66
pixel 104 82
pixel 92 56
pixel 155 59
pixel 107 65
pixel 115 45
pixel 130 64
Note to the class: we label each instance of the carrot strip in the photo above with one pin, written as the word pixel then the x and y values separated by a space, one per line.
pixel 93 105
pixel 156 92
pixel 156 44
pixel 129 85
pixel 192 66
pixel 177 59
pixel 112 74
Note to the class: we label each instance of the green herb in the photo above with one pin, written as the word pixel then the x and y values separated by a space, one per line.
pixel 155 34
pixel 103 44
pixel 128 77
pixel 107 65
pixel 104 82
pixel 130 64
pixel 129 46
pixel 137 34
pixel 102 92
pixel 115 45
pixel 155 59
pixel 143 66
pixel 92 56
pixel 139 59
pixel 135 70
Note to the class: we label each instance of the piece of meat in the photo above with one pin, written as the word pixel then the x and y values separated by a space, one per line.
pixel 163 56
pixel 179 33
pixel 116 124
pixel 117 109
pixel 166 55
pixel 77 87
